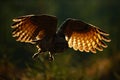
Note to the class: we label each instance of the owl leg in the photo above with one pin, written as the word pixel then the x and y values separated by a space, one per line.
pixel 51 57
pixel 36 54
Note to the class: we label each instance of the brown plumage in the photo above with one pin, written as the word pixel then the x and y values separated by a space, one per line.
pixel 73 33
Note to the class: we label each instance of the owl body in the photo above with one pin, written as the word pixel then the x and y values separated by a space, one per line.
pixel 55 44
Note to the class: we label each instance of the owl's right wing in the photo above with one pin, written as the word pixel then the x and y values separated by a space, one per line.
pixel 30 28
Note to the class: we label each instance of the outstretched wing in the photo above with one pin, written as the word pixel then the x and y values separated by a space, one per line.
pixel 83 36
pixel 29 28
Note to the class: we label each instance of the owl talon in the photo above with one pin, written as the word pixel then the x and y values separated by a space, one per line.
pixel 35 55
pixel 51 57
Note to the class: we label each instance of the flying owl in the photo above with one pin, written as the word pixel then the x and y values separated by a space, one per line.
pixel 42 31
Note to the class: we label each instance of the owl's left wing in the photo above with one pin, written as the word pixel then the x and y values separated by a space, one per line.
pixel 83 36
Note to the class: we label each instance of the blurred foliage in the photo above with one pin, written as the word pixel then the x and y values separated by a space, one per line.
pixel 15 57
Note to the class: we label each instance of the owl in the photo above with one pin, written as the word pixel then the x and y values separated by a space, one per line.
pixel 42 31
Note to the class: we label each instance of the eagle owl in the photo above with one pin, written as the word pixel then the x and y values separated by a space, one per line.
pixel 42 31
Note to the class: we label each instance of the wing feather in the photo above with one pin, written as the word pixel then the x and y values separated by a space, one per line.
pixel 83 36
pixel 29 28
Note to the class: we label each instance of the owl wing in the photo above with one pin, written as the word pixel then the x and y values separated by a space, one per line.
pixel 83 36
pixel 29 28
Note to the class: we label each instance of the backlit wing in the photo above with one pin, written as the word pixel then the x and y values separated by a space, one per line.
pixel 29 28
pixel 83 36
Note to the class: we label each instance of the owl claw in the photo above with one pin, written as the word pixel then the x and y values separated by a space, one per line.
pixel 35 55
pixel 51 57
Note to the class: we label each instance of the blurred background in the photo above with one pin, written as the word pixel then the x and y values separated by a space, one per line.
pixel 15 57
